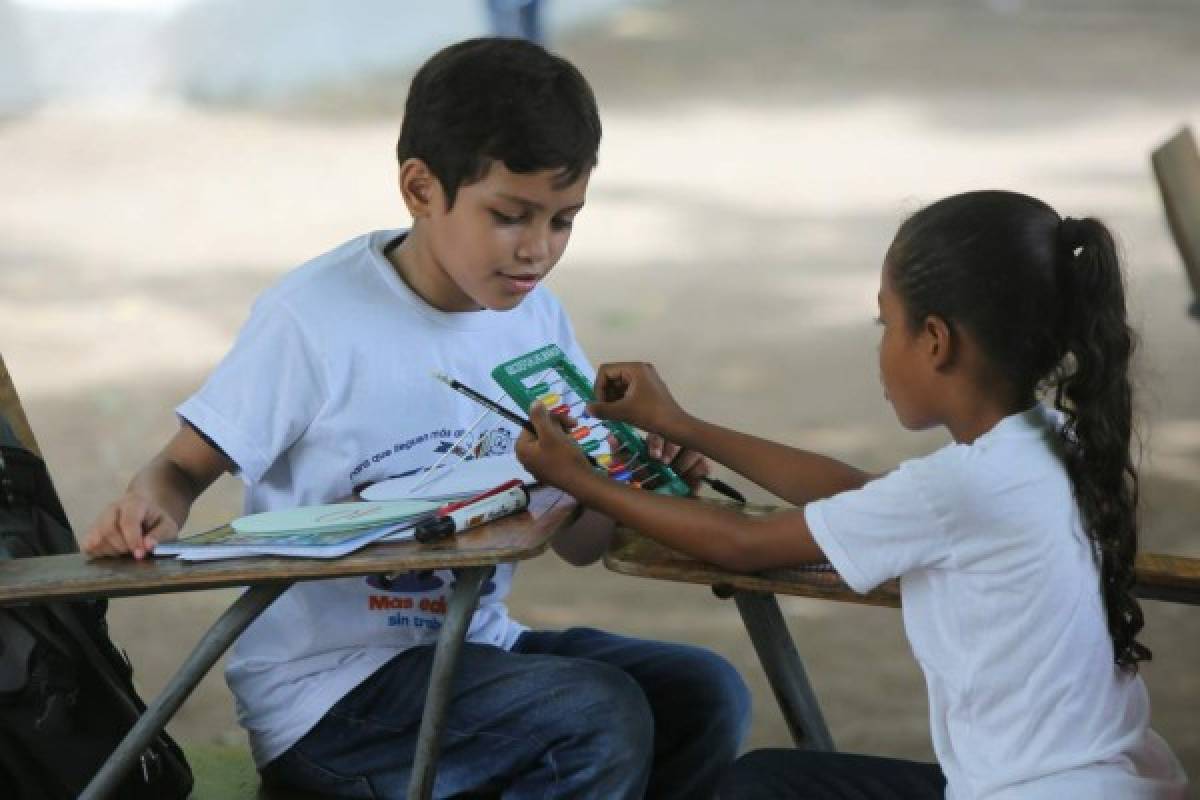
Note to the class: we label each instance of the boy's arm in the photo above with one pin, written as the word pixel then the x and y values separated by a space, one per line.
pixel 586 539
pixel 156 504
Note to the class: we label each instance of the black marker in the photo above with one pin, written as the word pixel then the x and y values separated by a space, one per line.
pixel 485 509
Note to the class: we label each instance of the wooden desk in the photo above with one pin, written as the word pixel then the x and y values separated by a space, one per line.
pixel 472 555
pixel 1159 577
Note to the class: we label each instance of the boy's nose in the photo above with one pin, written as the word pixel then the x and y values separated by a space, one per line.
pixel 534 247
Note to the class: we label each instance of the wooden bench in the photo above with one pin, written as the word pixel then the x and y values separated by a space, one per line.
pixel 1159 577
pixel 1177 170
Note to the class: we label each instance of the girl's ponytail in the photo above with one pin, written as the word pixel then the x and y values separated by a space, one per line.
pixel 1044 298
pixel 1094 392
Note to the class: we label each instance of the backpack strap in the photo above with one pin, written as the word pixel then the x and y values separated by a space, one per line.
pixel 7 435
pixel 11 409
pixel 15 655
pixel 26 489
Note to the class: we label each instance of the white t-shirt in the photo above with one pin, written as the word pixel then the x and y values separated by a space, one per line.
pixel 329 386
pixel 1002 607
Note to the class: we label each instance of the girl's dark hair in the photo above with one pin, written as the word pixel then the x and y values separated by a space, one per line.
pixel 1044 298
pixel 491 99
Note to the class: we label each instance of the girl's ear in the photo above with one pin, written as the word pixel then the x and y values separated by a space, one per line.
pixel 939 342
pixel 419 187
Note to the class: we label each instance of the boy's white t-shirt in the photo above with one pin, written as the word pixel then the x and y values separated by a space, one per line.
pixel 329 386
pixel 1002 607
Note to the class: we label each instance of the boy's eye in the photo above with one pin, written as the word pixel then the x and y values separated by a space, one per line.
pixel 560 224
pixel 507 219
pixel 877 320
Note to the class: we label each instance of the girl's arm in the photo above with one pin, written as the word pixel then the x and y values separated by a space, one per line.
pixel 795 475
pixel 720 536
pixel 634 393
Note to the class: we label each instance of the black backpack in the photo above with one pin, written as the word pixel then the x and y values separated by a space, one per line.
pixel 66 692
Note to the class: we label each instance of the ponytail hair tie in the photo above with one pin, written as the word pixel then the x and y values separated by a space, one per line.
pixel 1070 235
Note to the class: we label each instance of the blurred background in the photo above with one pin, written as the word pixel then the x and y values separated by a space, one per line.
pixel 163 161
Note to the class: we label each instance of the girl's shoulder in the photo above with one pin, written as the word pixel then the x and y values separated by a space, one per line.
pixel 1031 435
pixel 939 466
pixel 1019 460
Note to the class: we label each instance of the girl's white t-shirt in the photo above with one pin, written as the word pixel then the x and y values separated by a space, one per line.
pixel 329 386
pixel 1002 608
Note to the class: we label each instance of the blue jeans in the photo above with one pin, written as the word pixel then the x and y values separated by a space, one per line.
pixel 805 775
pixel 574 714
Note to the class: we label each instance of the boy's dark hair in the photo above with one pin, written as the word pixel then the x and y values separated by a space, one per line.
pixel 1044 297
pixel 492 99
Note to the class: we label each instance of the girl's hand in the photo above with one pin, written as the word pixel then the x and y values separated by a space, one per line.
pixel 633 392
pixel 551 455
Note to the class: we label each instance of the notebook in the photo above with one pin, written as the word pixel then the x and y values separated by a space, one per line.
pixel 325 531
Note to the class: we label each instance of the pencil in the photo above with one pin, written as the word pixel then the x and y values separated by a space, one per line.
pixel 488 402
pixel 484 400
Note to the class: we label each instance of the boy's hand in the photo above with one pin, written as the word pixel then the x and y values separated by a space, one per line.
pixel 689 465
pixel 633 392
pixel 133 524
pixel 551 455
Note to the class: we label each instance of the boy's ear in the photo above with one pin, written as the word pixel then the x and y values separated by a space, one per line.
pixel 939 342
pixel 419 187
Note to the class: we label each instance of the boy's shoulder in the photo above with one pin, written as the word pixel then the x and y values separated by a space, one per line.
pixel 347 269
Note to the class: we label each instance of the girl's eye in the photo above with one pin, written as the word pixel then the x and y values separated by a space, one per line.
pixel 505 219
pixel 561 224
pixel 877 320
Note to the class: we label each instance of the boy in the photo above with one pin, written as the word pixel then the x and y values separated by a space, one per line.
pixel 328 387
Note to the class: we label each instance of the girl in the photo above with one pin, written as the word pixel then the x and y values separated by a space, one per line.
pixel 1014 545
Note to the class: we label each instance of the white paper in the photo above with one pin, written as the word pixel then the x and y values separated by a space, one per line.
pixel 385 533
pixel 311 521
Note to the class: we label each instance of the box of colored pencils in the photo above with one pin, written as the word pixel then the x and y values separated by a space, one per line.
pixel 546 376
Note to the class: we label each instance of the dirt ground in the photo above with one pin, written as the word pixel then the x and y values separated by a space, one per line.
pixel 757 158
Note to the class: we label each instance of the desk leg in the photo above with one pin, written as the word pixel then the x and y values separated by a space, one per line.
pixel 463 600
pixel 215 642
pixel 784 669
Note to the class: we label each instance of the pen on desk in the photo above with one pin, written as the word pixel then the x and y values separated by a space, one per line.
pixel 494 506
pixel 457 504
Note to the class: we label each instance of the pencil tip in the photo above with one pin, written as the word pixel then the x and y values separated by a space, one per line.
pixel 441 376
